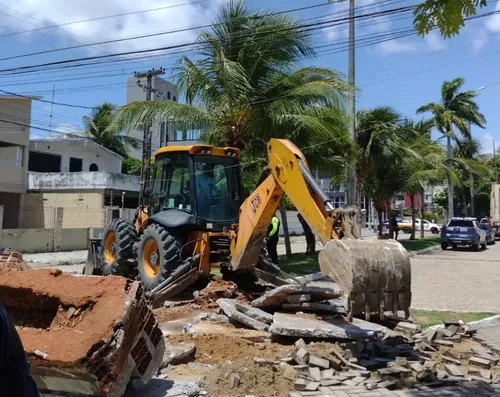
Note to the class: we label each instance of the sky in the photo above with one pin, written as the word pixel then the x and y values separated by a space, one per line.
pixel 404 73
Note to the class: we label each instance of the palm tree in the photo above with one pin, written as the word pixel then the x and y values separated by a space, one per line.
pixel 100 128
pixel 452 116
pixel 245 87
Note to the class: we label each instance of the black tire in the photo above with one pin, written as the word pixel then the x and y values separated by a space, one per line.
pixel 484 247
pixel 444 246
pixel 454 246
pixel 406 230
pixel 475 246
pixel 119 259
pixel 434 230
pixel 157 240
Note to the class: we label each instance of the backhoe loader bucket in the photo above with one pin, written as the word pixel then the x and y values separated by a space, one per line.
pixel 375 275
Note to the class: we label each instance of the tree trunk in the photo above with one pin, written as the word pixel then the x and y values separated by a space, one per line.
pixel 284 222
pixel 412 206
pixel 450 183
pixel 380 215
pixel 358 208
pixel 422 197
pixel 464 202
pixel 472 194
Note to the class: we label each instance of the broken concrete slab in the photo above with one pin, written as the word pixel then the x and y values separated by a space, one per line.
pixel 166 388
pixel 315 373
pixel 480 362
pixel 301 356
pixel 315 307
pixel 255 313
pixel 408 328
pixel 299 298
pixel 229 308
pixel 176 354
pixel 209 327
pixel 453 370
pixel 336 328
pixel 320 362
pixel 279 295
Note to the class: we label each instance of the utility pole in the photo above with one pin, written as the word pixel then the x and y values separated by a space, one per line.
pixel 52 106
pixel 146 140
pixel 495 161
pixel 351 185
pixel 472 193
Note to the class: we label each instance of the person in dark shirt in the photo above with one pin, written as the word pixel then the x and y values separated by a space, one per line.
pixel 395 227
pixel 310 238
pixel 15 378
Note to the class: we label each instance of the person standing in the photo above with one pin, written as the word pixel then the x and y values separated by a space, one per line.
pixel 310 238
pixel 273 238
pixel 15 378
pixel 395 227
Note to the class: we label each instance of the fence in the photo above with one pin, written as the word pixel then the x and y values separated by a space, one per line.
pixel 72 218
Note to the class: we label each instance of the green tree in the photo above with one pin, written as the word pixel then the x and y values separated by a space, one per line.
pixel 245 86
pixel 100 128
pixel 131 166
pixel 452 116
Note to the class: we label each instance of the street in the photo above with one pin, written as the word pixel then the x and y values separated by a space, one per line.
pixel 460 280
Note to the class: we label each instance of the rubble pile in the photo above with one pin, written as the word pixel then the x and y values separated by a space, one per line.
pixel 81 333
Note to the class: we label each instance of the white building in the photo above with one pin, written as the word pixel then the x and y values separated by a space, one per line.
pixel 15 121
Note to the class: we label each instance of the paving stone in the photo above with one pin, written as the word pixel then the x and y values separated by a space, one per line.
pixel 301 356
pixel 300 343
pixel 300 384
pixel 450 359
pixel 315 307
pixel 319 362
pixel 480 362
pixel 294 394
pixel 443 342
pixel 298 298
pixel 336 328
pixel 429 364
pixel 176 354
pixel 417 367
pixel 408 328
pixel 312 386
pixel 325 390
pixel 387 384
pixel 279 295
pixel 453 370
pixel 315 373
pixel 330 382
pixel 353 373
pixel 327 373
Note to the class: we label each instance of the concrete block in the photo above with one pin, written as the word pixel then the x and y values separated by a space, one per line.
pixel 255 313
pixel 176 354
pixel 279 295
pixel 480 362
pixel 229 308
pixel 327 373
pixel 301 356
pixel 431 334
pixel 315 373
pixel 443 342
pixel 312 386
pixel 300 327
pixel 294 394
pixel 298 298
pixel 300 384
pixel 417 367
pixel 288 372
pixel 330 382
pixel 316 361
pixel 408 328
pixel 450 360
pixel 453 370
pixel 429 364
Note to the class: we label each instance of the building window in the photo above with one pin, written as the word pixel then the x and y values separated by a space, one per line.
pixel 193 135
pixel 93 167
pixel 179 135
pixel 168 95
pixel 338 201
pixel 75 165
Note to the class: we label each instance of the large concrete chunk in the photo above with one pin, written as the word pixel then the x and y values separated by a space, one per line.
pixel 336 328
pixel 279 295
pixel 255 313
pixel 88 336
pixel 374 274
pixel 229 308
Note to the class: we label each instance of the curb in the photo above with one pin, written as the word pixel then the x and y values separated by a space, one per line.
pixel 425 250
pixel 485 322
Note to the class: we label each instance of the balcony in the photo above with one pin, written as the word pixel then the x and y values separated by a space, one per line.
pixel 63 181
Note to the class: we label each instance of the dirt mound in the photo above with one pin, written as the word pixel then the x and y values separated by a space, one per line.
pixel 214 290
pixel 254 379
pixel 177 312
pixel 216 348
pixel 10 259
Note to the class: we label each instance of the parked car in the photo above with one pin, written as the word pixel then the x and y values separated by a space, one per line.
pixel 490 232
pixel 496 229
pixel 463 231
pixel 428 226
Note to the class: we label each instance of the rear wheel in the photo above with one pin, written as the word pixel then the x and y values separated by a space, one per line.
pixel 475 246
pixel 484 245
pixel 117 248
pixel 158 255
pixel 454 246
pixel 434 230
pixel 406 230
pixel 444 246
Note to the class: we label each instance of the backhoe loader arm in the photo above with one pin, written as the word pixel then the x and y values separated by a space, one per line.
pixel 289 174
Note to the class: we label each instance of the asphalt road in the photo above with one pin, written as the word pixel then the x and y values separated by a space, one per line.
pixel 461 280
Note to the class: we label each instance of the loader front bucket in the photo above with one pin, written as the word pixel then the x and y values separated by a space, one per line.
pixel 374 274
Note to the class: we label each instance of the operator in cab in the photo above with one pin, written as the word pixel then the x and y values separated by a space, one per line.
pixel 15 378
pixel 205 190
pixel 273 238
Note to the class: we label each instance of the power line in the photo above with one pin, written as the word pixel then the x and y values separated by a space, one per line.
pixel 45 101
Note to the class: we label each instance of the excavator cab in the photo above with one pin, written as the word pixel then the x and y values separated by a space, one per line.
pixel 197 187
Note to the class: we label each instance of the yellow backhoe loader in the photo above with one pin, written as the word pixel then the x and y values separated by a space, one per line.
pixel 192 216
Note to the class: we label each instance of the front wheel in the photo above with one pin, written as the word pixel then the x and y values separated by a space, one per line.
pixel 406 230
pixel 158 255
pixel 117 246
pixel 444 246
pixel 434 230
pixel 475 246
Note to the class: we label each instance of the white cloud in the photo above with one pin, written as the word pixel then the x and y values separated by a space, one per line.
pixel 434 41
pixel 63 11
pixel 395 47
pixel 479 41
